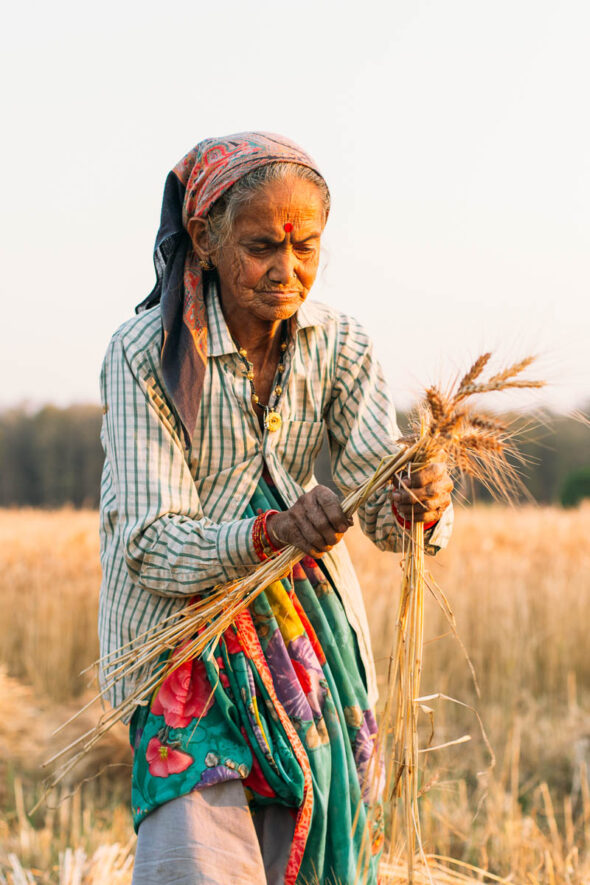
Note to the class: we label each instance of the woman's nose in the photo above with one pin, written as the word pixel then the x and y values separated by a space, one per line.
pixel 283 266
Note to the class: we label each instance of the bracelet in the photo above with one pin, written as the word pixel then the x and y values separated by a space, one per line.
pixel 256 538
pixel 268 513
pixel 260 536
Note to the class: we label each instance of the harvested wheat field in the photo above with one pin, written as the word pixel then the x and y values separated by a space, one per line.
pixel 518 581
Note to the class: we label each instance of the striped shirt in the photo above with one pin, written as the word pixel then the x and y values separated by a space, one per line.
pixel 170 513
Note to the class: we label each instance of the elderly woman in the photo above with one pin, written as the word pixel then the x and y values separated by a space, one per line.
pixel 249 764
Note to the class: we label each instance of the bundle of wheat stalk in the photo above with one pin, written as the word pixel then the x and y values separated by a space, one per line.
pixel 483 447
pixel 472 443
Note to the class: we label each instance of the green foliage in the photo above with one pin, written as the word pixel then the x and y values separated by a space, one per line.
pixel 576 487
pixel 551 448
pixel 50 458
pixel 53 457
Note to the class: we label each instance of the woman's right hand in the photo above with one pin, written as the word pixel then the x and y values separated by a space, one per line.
pixel 313 524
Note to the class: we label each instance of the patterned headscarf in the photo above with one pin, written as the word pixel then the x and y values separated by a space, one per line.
pixel 201 177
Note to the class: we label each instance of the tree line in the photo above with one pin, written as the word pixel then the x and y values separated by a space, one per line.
pixel 53 457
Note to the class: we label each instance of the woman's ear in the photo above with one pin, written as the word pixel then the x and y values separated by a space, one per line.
pixel 199 234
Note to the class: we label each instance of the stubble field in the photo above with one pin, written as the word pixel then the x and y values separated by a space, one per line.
pixel 519 584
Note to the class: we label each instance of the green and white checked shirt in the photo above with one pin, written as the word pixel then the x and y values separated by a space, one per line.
pixel 170 514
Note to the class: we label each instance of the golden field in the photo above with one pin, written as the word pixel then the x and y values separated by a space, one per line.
pixel 518 581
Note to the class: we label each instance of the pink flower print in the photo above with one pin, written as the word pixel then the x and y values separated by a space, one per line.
pixel 232 642
pixel 164 760
pixel 184 695
pixel 302 676
pixel 222 674
pixel 309 673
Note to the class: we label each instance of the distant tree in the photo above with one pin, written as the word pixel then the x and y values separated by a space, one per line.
pixel 550 448
pixel 19 470
pixel 50 458
pixel 53 457
pixel 576 487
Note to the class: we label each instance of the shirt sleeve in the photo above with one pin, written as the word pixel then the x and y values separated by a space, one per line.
pixel 362 430
pixel 170 547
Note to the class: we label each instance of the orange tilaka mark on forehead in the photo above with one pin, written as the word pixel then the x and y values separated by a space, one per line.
pixel 287 227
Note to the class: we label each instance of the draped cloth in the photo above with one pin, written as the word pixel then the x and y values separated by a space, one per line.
pixel 191 189
pixel 280 704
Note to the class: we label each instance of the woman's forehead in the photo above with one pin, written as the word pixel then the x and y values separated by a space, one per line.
pixel 292 202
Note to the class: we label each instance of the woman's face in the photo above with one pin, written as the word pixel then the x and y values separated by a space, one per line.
pixel 270 262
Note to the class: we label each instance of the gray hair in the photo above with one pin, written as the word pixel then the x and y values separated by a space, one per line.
pixel 225 210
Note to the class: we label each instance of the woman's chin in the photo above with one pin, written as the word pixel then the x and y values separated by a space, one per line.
pixel 280 308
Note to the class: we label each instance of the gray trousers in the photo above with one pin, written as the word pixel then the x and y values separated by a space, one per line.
pixel 210 838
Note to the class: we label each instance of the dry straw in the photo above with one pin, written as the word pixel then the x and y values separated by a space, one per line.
pixel 446 428
pixel 482 447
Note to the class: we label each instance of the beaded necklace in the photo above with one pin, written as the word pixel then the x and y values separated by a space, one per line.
pixel 272 420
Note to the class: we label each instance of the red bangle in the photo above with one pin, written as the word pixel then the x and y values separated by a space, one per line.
pixel 406 524
pixel 257 537
pixel 265 529
pixel 260 535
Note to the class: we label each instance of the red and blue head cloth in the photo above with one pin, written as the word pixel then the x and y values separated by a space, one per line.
pixel 191 189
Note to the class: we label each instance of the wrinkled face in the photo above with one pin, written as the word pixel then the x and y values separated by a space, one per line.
pixel 269 263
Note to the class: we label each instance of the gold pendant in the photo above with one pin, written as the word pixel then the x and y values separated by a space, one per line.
pixel 273 421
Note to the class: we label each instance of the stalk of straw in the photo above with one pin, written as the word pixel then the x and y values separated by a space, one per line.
pixel 400 715
pixel 478 445
pixel 202 624
pixel 406 688
pixel 470 442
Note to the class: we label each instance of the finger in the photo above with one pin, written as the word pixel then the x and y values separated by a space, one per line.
pixel 296 537
pixel 420 512
pixel 332 509
pixel 314 540
pixel 428 516
pixel 283 529
pixel 418 475
pixel 444 484
pixel 422 476
pixel 421 494
pixel 431 515
pixel 426 501
pixel 319 521
pixel 323 525
pixel 317 554
pixel 406 497
pixel 431 491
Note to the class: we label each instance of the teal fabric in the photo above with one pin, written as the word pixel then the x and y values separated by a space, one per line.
pixel 214 720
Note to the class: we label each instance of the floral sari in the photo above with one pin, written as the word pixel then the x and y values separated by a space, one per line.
pixel 281 704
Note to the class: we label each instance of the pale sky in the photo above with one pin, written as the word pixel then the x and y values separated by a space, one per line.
pixel 454 135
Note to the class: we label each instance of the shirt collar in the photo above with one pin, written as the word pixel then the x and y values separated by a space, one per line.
pixel 309 314
pixel 219 339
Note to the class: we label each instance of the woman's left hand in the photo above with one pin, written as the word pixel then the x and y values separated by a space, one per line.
pixel 425 494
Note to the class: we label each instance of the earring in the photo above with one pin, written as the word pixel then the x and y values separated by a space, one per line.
pixel 205 265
